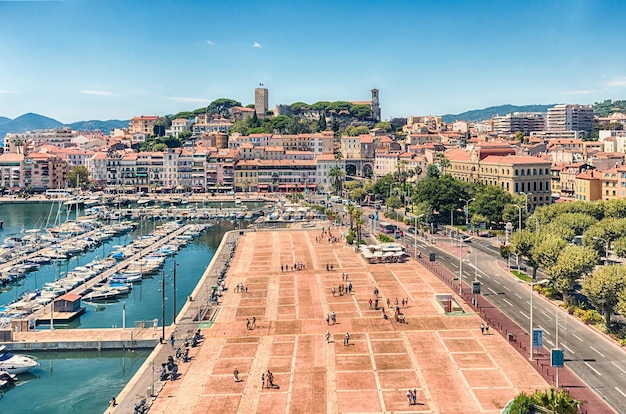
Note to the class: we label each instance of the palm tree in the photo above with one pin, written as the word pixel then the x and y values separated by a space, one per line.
pixel 337 175
pixel 443 162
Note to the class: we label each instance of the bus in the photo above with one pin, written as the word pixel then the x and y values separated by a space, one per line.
pixel 58 193
pixel 387 228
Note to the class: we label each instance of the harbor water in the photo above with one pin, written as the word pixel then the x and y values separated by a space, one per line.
pixel 86 381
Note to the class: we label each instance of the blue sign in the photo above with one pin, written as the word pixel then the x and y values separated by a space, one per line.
pixel 537 338
pixel 376 215
pixel 556 358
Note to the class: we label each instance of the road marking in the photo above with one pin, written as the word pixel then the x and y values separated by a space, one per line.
pixel 506 288
pixel 497 281
pixel 508 302
pixel 518 295
pixel 492 291
pixel 593 369
pixel 546 315
pixel 549 341
pixel 569 350
pixel 620 391
pixel 454 264
pixel 598 352
pixel 618 367
pixel 526 316
pixel 577 337
pixel 562 327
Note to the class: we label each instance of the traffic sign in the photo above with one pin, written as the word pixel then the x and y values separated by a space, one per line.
pixel 537 338
pixel 557 358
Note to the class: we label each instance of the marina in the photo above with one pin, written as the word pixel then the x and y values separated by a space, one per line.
pixel 124 322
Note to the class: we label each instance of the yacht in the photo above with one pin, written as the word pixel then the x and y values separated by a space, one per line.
pixel 16 363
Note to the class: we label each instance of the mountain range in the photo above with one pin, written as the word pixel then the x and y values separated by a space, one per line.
pixel 30 122
pixel 488 113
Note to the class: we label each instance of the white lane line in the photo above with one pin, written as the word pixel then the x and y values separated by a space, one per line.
pixel 454 264
pixel 519 296
pixel 546 315
pixel 577 337
pixel 568 350
pixel 620 391
pixel 492 291
pixel 593 369
pixel 526 316
pixel 506 288
pixel 562 327
pixel 508 302
pixel 601 354
pixel 497 281
pixel 549 341
pixel 618 367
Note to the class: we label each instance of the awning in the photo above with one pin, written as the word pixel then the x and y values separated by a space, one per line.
pixel 262 186
pixel 283 186
pixel 312 185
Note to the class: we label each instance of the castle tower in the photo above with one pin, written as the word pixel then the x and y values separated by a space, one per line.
pixel 375 106
pixel 261 101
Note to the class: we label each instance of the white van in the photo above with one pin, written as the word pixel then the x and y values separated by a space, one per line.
pixel 335 199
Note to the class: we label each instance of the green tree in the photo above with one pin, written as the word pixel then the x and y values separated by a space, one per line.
pixel 320 106
pixel 339 106
pixel 441 193
pixel 299 107
pixel 384 125
pixel 519 136
pixel 183 135
pixel 490 202
pixel 522 244
pixel 432 171
pixel 222 106
pixel 321 123
pixel 78 177
pixel 573 263
pixel 361 111
pixel 604 289
pixel 353 131
pixel 336 174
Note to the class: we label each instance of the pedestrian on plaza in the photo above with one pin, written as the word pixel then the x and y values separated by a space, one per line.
pixel 409 397
pixel 350 287
pixel 414 396
pixel 236 375
pixel 482 328
pixel 172 340
pixel 113 402
pixel 333 317
pixel 263 380
pixel 376 304
pixel 327 336
pixel 370 303
pixel 328 319
pixel 270 379
pixel 395 302
pixel 346 339
pixel 281 268
pixel 254 321
pixel 332 289
pixel 248 324
pixel 487 328
pixel 388 303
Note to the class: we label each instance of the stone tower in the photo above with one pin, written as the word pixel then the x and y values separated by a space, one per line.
pixel 375 106
pixel 261 101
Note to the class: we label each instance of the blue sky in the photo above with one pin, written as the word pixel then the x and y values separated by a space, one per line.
pixel 84 59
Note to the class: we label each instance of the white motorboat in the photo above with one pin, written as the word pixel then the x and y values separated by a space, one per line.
pixel 16 363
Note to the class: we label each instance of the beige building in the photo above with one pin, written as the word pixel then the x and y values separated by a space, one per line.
pixel 516 174
pixel 144 124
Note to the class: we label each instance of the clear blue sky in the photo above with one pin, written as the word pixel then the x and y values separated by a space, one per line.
pixel 84 59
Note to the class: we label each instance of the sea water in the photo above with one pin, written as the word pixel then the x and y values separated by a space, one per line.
pixel 84 382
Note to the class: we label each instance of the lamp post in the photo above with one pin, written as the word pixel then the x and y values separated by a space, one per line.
pixel 466 211
pixel 461 268
pixel 519 229
pixel 415 235
pixel 532 293
pixel 606 249
pixel 526 200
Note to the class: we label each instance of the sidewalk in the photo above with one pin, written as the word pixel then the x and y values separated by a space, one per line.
pixel 451 366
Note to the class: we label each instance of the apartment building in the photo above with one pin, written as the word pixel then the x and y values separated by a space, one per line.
pixel 525 122
pixel 10 167
pixel 324 164
pixel 41 172
pixel 570 117
pixel 144 124
pixel 282 176
pixel 18 143
pixel 515 174
pixel 588 186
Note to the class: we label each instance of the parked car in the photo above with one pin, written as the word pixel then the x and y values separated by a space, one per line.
pixel 411 230
pixel 465 238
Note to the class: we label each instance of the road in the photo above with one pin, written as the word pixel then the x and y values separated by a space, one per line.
pixel 599 362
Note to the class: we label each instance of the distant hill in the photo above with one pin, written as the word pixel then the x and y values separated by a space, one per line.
pixel 488 113
pixel 30 122
pixel 104 126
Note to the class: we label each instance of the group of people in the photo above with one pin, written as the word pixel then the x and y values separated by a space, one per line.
pixel 411 396
pixel 169 369
pixel 484 328
pixel 267 380
pixel 328 235
pixel 241 288
pixel 331 317
pixel 251 324
pixel 295 266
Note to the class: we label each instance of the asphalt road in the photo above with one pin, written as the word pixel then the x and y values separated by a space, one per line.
pixel 599 362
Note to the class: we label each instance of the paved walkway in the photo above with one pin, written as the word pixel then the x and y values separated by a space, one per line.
pixel 453 368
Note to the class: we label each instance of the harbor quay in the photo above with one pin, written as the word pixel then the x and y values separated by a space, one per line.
pixel 272 320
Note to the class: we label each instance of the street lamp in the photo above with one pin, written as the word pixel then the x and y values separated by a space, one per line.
pixel 461 268
pixel 606 249
pixel 466 210
pixel 415 235
pixel 532 291
pixel 520 228
pixel 526 199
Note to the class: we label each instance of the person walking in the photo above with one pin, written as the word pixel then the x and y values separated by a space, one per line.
pixel 248 324
pixel 346 340
pixel 236 375
pixel 482 328
pixel 172 340
pixel 254 321
pixel 263 380
pixel 388 303
pixel 370 303
pixel 327 336
pixel 487 328
pixel 333 317
pixel 328 319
